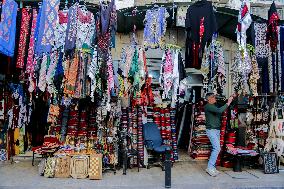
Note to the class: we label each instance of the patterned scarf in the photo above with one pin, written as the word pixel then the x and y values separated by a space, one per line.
pixel 26 16
pixel 30 60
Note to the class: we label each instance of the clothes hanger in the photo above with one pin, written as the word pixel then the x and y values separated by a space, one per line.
pixel 65 7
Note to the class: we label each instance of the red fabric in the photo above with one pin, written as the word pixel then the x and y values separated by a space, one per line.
pixel 24 32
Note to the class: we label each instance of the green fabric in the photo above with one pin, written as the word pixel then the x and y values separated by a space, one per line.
pixel 213 115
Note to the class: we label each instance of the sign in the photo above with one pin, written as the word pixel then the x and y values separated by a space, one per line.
pixel 270 163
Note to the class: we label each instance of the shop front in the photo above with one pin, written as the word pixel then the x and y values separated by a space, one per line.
pixel 93 89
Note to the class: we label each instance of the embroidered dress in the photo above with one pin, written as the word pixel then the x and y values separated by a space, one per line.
pixel 272 29
pixel 26 16
pixel 85 28
pixel 200 26
pixel 262 52
pixel 8 27
pixel 48 23
pixel 155 28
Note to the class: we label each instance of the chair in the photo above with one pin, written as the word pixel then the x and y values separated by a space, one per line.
pixel 128 154
pixel 153 141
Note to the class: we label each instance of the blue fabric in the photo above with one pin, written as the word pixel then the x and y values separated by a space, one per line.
pixel 48 19
pixel 282 55
pixel 8 27
pixel 152 136
pixel 214 137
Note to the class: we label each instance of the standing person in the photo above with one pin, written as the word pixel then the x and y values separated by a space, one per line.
pixel 213 124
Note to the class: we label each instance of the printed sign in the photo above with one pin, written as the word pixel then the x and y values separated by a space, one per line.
pixel 270 163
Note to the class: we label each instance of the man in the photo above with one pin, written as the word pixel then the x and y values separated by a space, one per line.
pixel 213 124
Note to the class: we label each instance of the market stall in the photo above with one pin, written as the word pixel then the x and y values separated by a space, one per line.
pixel 65 94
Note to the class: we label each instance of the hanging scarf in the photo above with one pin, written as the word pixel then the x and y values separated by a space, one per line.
pixel 51 72
pixel 26 16
pixel 8 27
pixel 272 30
pixel 71 75
pixel 42 73
pixel 48 22
pixel 110 80
pixel 30 60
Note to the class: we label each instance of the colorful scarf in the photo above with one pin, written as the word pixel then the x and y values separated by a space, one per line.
pixel 30 59
pixel 8 27
pixel 26 16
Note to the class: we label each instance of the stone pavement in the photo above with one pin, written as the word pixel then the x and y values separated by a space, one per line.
pixel 185 175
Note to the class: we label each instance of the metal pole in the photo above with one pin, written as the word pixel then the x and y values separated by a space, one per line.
pixel 168 167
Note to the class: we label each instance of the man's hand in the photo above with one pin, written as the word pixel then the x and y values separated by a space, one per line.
pixel 230 100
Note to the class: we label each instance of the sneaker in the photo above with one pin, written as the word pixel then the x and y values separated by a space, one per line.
pixel 211 172
pixel 216 171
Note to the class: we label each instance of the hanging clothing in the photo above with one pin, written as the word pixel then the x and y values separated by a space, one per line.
pixel 71 32
pixel 262 52
pixel 24 32
pixel 272 30
pixel 48 22
pixel 200 26
pixel 244 22
pixel 8 27
pixel 282 56
pixel 155 27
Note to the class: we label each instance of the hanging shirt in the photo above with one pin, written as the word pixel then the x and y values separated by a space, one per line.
pixel 8 27
pixel 200 25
